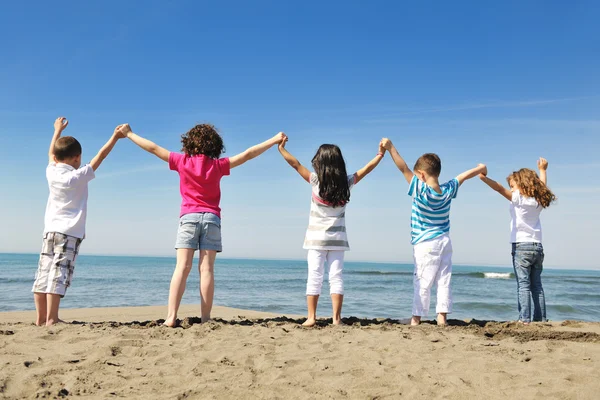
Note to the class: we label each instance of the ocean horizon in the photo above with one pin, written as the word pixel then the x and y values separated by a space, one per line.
pixel 372 289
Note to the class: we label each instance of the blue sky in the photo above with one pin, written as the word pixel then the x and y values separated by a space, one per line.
pixel 501 83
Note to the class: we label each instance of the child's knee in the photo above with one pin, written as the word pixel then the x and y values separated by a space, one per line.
pixel 206 268
pixel 184 267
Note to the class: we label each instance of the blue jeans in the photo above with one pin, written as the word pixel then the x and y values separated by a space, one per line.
pixel 528 261
pixel 200 231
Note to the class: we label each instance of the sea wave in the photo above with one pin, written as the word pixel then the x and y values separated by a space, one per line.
pixel 378 272
pixel 17 280
pixel 488 275
pixel 579 281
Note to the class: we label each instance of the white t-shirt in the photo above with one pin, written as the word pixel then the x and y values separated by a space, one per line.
pixel 327 224
pixel 67 203
pixel 525 225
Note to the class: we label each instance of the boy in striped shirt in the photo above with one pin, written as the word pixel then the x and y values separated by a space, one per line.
pixel 430 228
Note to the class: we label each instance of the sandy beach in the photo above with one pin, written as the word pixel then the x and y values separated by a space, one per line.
pixel 124 352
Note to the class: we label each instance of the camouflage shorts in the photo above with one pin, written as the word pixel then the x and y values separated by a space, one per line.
pixel 57 263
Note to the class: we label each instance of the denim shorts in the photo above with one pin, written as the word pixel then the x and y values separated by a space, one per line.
pixel 200 231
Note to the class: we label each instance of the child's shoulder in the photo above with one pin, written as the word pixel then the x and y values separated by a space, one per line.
pixel 520 199
pixel 197 157
pixel 58 172
pixel 451 182
pixel 450 185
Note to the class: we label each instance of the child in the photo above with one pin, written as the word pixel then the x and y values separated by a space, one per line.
pixel 528 196
pixel 200 171
pixel 325 238
pixel 64 222
pixel 430 228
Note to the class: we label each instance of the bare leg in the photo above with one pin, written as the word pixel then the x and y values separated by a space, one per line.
pixel 415 320
pixel 180 275
pixel 207 282
pixel 40 308
pixel 336 303
pixel 52 301
pixel 441 319
pixel 311 302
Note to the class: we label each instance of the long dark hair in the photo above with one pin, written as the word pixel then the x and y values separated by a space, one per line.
pixel 330 168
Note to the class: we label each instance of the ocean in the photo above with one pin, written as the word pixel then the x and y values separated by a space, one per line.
pixel 373 290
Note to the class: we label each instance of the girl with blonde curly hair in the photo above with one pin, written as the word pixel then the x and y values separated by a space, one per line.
pixel 528 196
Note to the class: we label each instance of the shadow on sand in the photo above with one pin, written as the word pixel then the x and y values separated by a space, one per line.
pixel 496 330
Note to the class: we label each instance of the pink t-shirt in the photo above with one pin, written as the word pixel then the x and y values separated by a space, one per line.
pixel 199 182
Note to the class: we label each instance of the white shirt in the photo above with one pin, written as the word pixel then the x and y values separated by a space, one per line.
pixel 67 203
pixel 525 225
pixel 327 224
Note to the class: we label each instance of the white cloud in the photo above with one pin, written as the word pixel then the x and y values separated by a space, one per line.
pixel 465 107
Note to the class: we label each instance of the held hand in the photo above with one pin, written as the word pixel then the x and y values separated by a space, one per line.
pixel 386 143
pixel 381 148
pixel 482 177
pixel 282 143
pixel 542 164
pixel 123 130
pixel 117 132
pixel 60 124
pixel 280 137
pixel 483 168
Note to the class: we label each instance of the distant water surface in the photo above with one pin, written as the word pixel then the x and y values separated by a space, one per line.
pixel 371 289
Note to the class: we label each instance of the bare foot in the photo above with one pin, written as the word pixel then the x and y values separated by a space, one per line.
pixel 415 320
pixel 309 323
pixel 441 320
pixel 51 322
pixel 205 319
pixel 171 323
pixel 40 323
pixel 337 322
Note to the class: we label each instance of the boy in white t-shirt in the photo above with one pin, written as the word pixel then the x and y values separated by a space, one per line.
pixel 64 221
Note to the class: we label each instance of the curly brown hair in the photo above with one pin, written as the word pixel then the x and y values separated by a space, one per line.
pixel 530 185
pixel 202 139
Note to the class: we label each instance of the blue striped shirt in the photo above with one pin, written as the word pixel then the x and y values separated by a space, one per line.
pixel 430 216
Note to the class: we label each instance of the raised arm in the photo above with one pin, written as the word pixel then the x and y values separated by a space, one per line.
pixel 506 193
pixel 398 160
pixel 293 161
pixel 364 171
pixel 145 144
pixel 106 149
pixel 59 125
pixel 543 166
pixel 473 172
pixel 255 151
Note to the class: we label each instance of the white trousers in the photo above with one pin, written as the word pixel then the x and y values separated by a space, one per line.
pixel 433 264
pixel 316 266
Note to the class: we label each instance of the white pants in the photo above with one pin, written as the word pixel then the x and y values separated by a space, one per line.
pixel 433 264
pixel 316 266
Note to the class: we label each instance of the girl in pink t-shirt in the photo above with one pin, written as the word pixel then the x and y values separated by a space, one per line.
pixel 200 171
